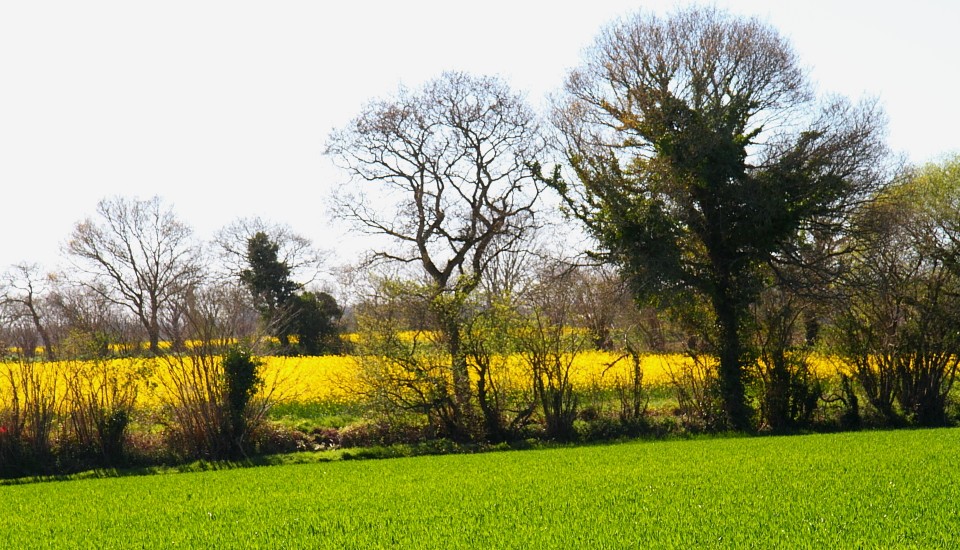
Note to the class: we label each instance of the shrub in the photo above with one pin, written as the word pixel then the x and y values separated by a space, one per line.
pixel 241 381
pixel 27 417
pixel 101 401
pixel 697 388
pixel 382 433
pixel 213 401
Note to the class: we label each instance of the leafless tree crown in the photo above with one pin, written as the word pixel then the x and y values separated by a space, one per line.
pixel 452 158
pixel 703 58
pixel 138 255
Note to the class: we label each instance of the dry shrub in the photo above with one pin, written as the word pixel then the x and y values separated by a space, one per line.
pixel 101 400
pixel 629 387
pixel 213 409
pixel 697 387
pixel 29 401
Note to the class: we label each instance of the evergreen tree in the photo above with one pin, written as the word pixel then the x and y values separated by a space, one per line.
pixel 268 280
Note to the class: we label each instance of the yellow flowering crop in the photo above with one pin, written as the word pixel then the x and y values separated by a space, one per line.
pixel 328 378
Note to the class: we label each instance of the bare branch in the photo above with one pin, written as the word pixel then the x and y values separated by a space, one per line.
pixel 453 157
pixel 138 255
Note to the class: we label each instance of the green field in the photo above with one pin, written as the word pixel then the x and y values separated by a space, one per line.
pixel 871 489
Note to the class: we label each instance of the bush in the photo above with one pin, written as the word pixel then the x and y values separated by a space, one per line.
pixel 27 418
pixel 241 381
pixel 101 401
pixel 213 402
pixel 790 391
pixel 697 387
pixel 275 438
pixel 383 433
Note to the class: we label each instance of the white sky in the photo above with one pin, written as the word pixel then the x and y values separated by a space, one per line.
pixel 223 108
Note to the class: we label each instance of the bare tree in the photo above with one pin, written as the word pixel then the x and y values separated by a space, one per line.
pixel 509 274
pixel 214 314
pixel 24 293
pixel 138 255
pixel 89 323
pixel 453 159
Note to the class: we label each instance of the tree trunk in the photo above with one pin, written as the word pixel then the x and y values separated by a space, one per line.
pixel 151 321
pixel 44 335
pixel 461 379
pixel 153 332
pixel 732 389
pixel 492 422
pixel 777 397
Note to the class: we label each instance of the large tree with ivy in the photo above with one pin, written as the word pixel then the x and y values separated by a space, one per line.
pixel 702 161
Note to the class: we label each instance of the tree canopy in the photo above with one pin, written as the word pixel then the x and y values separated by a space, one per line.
pixel 284 307
pixel 700 159
pixel 139 256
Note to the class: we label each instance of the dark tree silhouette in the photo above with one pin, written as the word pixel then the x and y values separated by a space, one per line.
pixel 268 280
pixel 701 160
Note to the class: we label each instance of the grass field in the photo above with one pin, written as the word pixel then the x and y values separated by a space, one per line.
pixel 868 489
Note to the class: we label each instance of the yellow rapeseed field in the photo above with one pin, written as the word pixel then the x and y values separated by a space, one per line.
pixel 326 378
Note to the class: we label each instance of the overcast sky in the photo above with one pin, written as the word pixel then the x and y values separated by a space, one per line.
pixel 223 108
